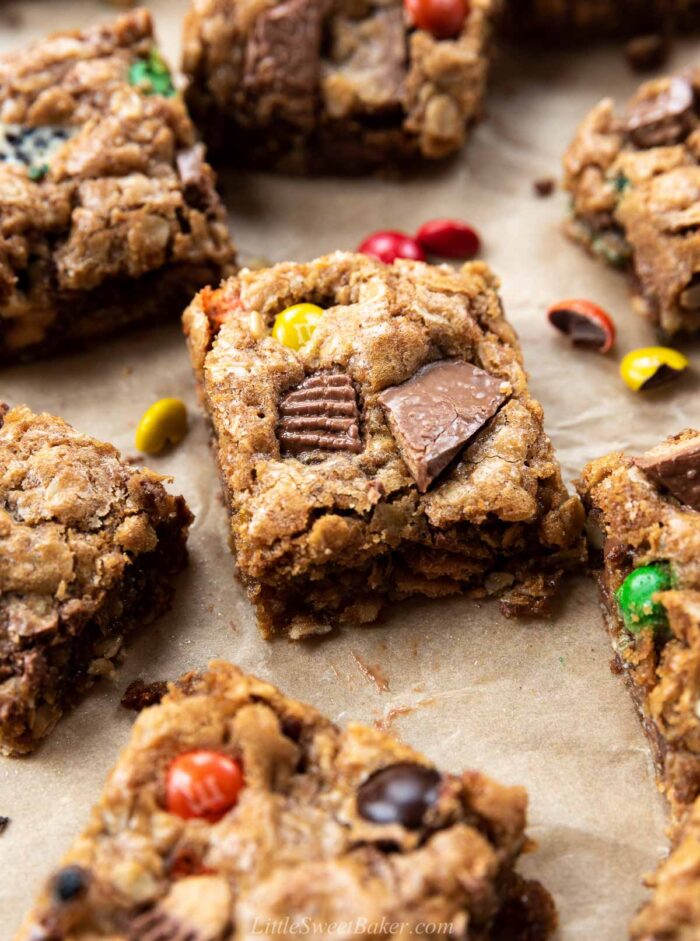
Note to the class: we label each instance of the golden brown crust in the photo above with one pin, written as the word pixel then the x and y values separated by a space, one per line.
pixel 326 541
pixel 121 207
pixel 295 846
pixel 88 546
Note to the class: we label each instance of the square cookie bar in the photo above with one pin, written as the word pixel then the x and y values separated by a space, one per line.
pixel 235 811
pixel 108 210
pixel 88 550
pixel 673 912
pixel 394 450
pixel 346 86
pixel 644 513
pixel 634 180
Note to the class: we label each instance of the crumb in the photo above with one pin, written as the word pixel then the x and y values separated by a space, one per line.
pixel 544 186
pixel 138 695
pixel 371 672
pixel 4 824
pixel 646 53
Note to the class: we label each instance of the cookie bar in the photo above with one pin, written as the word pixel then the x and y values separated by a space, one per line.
pixel 108 210
pixel 645 515
pixel 306 85
pixel 88 550
pixel 379 443
pixel 634 181
pixel 574 20
pixel 235 811
pixel 673 912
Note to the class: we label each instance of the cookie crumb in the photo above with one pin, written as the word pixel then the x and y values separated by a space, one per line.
pixel 646 53
pixel 139 695
pixel 4 824
pixel 544 187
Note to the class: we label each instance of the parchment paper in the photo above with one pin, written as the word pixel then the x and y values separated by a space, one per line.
pixel 530 703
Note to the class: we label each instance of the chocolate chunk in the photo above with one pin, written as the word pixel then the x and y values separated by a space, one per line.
pixel 544 186
pixel 70 883
pixel 433 414
pixel 197 178
pixel 675 465
pixel 4 824
pixel 663 118
pixel 321 413
pixel 139 695
pixel 401 793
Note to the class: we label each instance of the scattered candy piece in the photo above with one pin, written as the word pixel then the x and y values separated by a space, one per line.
pixel 401 793
pixel 584 322
pixel 443 18
pixel 651 366
pixel 448 238
pixel 388 246
pixel 635 597
pixel 203 784
pixel 152 75
pixel 165 422
pixel 295 325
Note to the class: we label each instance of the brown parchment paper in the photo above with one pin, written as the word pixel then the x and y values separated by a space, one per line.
pixel 531 703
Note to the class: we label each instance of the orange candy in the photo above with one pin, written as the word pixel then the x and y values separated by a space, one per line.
pixel 203 784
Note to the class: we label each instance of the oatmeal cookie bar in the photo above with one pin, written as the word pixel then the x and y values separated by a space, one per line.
pixel 573 20
pixel 235 811
pixel 673 912
pixel 108 210
pixel 308 85
pixel 88 550
pixel 394 450
pixel 645 516
pixel 634 180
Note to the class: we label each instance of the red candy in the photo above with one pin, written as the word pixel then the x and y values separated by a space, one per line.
pixel 388 246
pixel 443 18
pixel 203 784
pixel 448 238
pixel 585 323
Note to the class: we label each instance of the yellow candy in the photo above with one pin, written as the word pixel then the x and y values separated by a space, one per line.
pixel 165 422
pixel 651 366
pixel 295 325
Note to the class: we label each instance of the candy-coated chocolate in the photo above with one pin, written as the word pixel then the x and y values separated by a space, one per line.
pixel 164 422
pixel 152 75
pixel 389 245
pixel 443 18
pixel 295 325
pixel 587 324
pixel 203 784
pixel 635 597
pixel 448 238
pixel 400 793
pixel 651 366
pixel 70 883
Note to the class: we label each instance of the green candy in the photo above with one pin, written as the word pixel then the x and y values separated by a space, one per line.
pixel 152 75
pixel 635 597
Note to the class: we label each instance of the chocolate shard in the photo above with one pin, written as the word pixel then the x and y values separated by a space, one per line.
pixel 662 114
pixel 321 413
pixel 675 465
pixel 433 414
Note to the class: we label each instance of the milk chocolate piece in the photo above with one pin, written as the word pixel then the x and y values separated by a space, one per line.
pixel 663 118
pixel 320 413
pixel 433 414
pixel 676 466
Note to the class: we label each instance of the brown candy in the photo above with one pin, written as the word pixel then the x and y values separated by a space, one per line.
pixel 675 465
pixel 321 413
pixel 662 113
pixel 401 793
pixel 433 414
